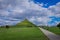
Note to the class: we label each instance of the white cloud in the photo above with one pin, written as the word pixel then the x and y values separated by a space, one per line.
pixel 41 20
pixel 1 0
pixel 55 9
pixel 4 13
pixel 27 8
pixel 32 19
pixel 18 10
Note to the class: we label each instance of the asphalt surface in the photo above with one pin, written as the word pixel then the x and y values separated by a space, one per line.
pixel 50 35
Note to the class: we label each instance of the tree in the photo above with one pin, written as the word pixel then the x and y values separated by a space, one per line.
pixel 58 25
pixel 7 26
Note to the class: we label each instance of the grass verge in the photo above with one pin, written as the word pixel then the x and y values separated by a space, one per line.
pixel 55 30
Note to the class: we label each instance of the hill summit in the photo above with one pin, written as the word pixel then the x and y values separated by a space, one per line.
pixel 26 23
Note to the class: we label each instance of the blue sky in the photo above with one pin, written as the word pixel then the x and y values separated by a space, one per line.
pixel 40 12
pixel 47 2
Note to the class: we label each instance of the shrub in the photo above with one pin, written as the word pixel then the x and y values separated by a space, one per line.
pixel 7 26
pixel 58 25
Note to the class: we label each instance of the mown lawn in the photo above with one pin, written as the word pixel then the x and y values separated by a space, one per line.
pixel 55 30
pixel 30 33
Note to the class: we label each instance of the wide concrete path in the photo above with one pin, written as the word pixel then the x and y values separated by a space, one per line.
pixel 50 35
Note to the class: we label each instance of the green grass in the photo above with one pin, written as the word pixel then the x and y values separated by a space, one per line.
pixel 25 23
pixel 30 33
pixel 55 30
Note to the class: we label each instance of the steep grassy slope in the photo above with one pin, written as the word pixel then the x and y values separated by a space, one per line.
pixel 25 23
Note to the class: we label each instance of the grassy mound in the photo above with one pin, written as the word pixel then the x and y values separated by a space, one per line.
pixel 25 23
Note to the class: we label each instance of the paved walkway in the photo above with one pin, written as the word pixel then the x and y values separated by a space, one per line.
pixel 50 35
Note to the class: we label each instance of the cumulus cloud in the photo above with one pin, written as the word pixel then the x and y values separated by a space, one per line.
pixel 40 20
pixel 55 9
pixel 17 10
